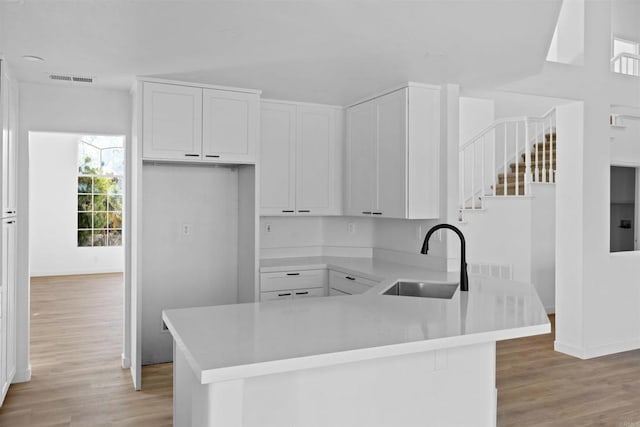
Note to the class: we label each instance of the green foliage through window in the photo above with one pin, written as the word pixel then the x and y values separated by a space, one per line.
pixel 100 191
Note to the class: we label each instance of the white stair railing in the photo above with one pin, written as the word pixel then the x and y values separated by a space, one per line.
pixel 626 63
pixel 498 149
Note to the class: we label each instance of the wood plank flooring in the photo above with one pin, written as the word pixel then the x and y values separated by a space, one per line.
pixel 540 387
pixel 76 340
pixel 77 379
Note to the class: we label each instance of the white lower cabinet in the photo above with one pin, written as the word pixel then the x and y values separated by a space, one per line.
pixel 8 306
pixel 348 284
pixel 283 285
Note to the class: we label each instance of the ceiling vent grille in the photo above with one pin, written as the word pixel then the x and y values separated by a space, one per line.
pixel 74 79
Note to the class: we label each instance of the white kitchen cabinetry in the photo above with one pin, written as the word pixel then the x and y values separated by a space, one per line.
pixel 348 284
pixel 188 123
pixel 229 125
pixel 8 254
pixel 172 121
pixel 393 151
pixel 301 168
pixel 8 305
pixel 292 284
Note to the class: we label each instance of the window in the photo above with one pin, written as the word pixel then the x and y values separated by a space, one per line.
pixel 100 190
pixel 626 59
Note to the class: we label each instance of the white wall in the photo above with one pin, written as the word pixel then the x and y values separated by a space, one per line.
pixel 567 45
pixel 57 108
pixel 53 212
pixel 625 15
pixel 180 270
pixel 475 115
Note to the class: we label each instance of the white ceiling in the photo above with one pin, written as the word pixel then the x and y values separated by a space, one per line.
pixel 318 51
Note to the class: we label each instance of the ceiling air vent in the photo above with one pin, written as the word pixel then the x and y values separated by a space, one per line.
pixel 74 79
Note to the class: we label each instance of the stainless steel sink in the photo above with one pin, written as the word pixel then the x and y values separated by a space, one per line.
pixel 423 289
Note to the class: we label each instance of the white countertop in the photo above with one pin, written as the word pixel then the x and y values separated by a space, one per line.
pixel 244 340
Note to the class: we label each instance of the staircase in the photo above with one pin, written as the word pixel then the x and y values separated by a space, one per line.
pixel 543 167
pixel 506 157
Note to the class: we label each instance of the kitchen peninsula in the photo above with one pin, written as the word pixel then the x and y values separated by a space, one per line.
pixel 369 359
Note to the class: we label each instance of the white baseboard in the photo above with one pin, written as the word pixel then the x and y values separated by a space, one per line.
pixel 569 349
pixel 22 376
pixel 126 362
pixel 75 272
pixel 603 350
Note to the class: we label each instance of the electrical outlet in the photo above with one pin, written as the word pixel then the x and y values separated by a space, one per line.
pixel 187 229
pixel 267 228
pixel 351 227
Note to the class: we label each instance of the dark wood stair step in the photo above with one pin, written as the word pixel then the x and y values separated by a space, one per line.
pixel 522 166
pixel 511 177
pixel 511 189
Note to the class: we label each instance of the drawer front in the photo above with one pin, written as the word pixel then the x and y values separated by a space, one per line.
pixel 335 292
pixel 308 293
pixel 289 280
pixel 348 283
pixel 275 295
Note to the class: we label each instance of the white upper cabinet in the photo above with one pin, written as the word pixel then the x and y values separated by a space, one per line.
pixel 172 121
pixel 391 113
pixel 393 146
pixel 186 123
pixel 300 159
pixel 361 159
pixel 230 125
pixel 9 119
pixel 277 158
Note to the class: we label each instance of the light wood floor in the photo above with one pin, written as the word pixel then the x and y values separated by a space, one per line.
pixel 77 379
pixel 76 340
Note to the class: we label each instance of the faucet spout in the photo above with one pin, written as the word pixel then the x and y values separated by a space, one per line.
pixel 464 278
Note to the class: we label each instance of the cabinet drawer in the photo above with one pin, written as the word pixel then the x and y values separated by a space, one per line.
pixel 349 283
pixel 335 292
pixel 308 293
pixel 276 295
pixel 289 280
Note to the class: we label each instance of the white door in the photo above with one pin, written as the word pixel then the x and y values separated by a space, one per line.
pixel 172 122
pixel 361 168
pixel 230 126
pixel 316 170
pixel 277 159
pixel 391 112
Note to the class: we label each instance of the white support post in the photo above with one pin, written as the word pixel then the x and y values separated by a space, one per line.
pixel 504 187
pixel 493 163
pixel 482 181
pixel 517 157
pixel 537 168
pixel 473 175
pixel 527 159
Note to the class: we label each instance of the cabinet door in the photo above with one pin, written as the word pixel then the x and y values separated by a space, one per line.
pixel 9 264
pixel 9 93
pixel 230 126
pixel 391 130
pixel 172 122
pixel 361 167
pixel 317 171
pixel 348 283
pixel 277 159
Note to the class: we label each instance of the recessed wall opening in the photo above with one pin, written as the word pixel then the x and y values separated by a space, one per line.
pixel 76 250
pixel 622 228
